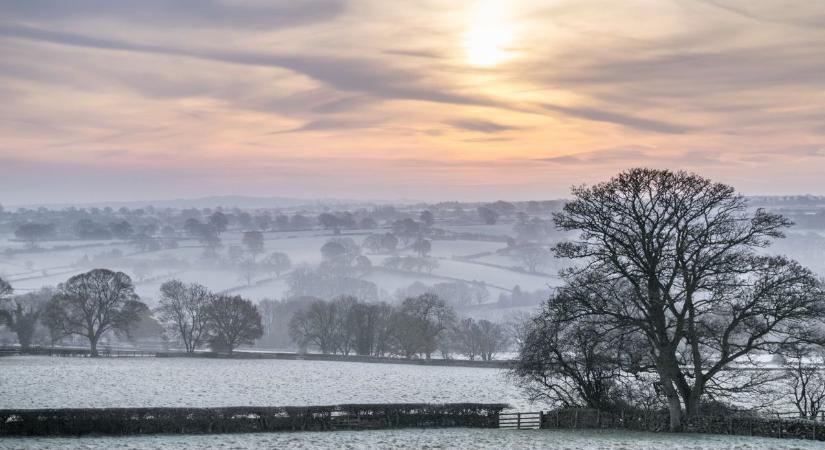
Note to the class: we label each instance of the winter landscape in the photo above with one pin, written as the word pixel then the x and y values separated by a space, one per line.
pixel 476 224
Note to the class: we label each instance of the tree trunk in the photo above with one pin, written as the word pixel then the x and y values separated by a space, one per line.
pixel 93 346
pixel 674 404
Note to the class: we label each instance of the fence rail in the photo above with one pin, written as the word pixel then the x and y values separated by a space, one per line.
pixel 521 420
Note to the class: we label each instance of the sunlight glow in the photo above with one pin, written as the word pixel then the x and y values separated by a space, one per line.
pixel 488 34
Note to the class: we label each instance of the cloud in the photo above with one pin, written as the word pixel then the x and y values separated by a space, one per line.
pixel 334 124
pixel 481 126
pixel 638 123
pixel 211 13
pixel 372 76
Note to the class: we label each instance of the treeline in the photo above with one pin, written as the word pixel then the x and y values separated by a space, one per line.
pixel 102 303
pixel 418 327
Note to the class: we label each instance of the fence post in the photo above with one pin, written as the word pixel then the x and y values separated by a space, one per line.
pixel 541 421
pixel 598 418
pixel 518 423
pixel 576 419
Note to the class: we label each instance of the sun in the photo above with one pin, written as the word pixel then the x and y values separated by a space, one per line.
pixel 486 39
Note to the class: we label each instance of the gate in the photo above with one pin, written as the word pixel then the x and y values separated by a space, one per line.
pixel 520 420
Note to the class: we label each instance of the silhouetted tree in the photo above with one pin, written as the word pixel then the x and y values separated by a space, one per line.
pixel 673 256
pixel 182 308
pixel 92 303
pixel 233 321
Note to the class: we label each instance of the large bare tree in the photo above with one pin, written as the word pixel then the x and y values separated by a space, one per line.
pixel 680 257
pixel 92 303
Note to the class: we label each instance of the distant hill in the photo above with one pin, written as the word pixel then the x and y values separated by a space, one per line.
pixel 227 201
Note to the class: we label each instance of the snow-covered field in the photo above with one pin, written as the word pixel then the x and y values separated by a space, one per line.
pixel 44 382
pixel 442 438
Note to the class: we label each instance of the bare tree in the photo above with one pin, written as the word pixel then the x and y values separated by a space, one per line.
pixel 805 379
pixel 532 257
pixel 92 303
pixel 233 321
pixel 317 325
pixel 573 362
pixel 672 255
pixel 183 308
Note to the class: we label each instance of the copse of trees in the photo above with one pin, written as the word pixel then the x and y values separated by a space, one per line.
pixel 674 260
pixel 197 316
pixel 412 329
pixel 93 303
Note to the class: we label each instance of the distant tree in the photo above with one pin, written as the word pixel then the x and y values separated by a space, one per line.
pixel 263 222
pixel 282 222
pixel 427 218
pixel 503 208
pixel 219 221
pixel 278 263
pixel 406 229
pixel 363 265
pixel 122 229
pixel 488 215
pixel 332 250
pixel 248 267
pixel 422 247
pixel 389 242
pixel 367 223
pixel 233 321
pixel 532 257
pixel 300 222
pixel 192 227
pixel 244 219
pixel 34 232
pixel 92 303
pixel 254 242
pixel 89 229
pixel 182 307
pixel 328 221
pixel 373 243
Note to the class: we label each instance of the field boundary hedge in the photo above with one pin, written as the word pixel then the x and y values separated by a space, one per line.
pixel 572 418
pixel 245 419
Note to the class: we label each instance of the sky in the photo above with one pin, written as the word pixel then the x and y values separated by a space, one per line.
pixel 426 100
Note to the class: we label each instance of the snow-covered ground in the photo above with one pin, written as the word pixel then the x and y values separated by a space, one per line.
pixel 44 382
pixel 440 438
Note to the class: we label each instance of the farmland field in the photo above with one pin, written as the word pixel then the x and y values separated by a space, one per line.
pixel 444 438
pixel 31 382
